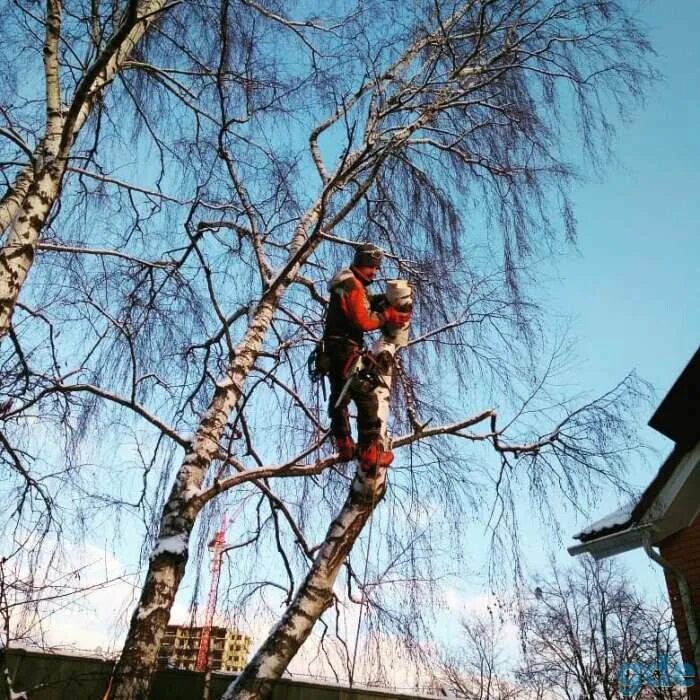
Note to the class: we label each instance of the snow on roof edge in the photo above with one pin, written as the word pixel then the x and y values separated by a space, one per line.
pixel 613 521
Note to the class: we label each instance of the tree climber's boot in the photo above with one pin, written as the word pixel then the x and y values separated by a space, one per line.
pixel 345 447
pixel 373 456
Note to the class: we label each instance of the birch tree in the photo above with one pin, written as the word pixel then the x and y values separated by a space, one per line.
pixel 440 133
pixel 76 72
pixel 118 175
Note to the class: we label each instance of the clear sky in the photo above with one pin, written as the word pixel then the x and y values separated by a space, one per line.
pixel 633 288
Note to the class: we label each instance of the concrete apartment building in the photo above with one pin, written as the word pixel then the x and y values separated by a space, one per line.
pixel 228 649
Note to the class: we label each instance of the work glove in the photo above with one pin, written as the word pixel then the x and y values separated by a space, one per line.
pixel 377 302
pixel 396 318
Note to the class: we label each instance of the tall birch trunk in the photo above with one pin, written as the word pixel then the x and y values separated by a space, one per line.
pixel 315 595
pixel 134 673
pixel 13 198
pixel 26 207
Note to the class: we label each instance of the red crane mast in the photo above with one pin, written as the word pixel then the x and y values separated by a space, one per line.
pixel 216 547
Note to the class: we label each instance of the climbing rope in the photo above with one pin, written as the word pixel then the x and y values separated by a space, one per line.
pixel 364 584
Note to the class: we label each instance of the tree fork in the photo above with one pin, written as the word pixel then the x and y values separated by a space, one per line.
pixel 205 449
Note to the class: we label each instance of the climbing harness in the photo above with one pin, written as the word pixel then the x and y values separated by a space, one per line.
pixel 362 366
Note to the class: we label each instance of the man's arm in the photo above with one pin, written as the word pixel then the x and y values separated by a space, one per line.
pixel 356 307
pixel 377 302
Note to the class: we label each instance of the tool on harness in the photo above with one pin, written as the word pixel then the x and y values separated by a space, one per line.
pixel 352 368
pixel 318 365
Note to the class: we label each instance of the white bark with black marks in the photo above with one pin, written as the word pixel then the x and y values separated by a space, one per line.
pixel 139 656
pixel 315 594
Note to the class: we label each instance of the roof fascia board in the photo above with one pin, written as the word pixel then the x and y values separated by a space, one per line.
pixel 609 545
pixel 664 501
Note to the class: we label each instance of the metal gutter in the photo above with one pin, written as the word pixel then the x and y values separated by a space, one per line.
pixel 615 543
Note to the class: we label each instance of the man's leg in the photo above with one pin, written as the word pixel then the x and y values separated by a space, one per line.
pixel 370 447
pixel 340 421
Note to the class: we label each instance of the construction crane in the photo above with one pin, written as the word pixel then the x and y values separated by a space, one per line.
pixel 216 547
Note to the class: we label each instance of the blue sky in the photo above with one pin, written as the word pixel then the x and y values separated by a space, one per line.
pixel 632 289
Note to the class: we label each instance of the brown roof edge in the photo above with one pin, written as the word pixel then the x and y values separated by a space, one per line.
pixel 658 482
pixel 678 418
pixel 678 415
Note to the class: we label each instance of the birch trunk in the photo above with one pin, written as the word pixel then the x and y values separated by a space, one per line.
pixel 132 677
pixel 138 660
pixel 315 594
pixel 25 209
pixel 13 198
pixel 17 254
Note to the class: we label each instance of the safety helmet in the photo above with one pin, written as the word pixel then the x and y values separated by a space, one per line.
pixel 367 255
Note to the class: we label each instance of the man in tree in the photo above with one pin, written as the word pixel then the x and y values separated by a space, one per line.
pixel 351 313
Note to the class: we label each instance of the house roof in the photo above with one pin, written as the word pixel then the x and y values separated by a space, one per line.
pixel 633 512
pixel 672 499
pixel 616 520
pixel 678 415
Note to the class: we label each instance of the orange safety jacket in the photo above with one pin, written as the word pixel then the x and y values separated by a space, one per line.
pixel 350 312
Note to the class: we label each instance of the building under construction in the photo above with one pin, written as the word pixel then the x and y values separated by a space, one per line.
pixel 228 649
pixel 207 647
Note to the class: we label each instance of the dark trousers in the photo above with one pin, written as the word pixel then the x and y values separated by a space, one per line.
pixel 360 391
